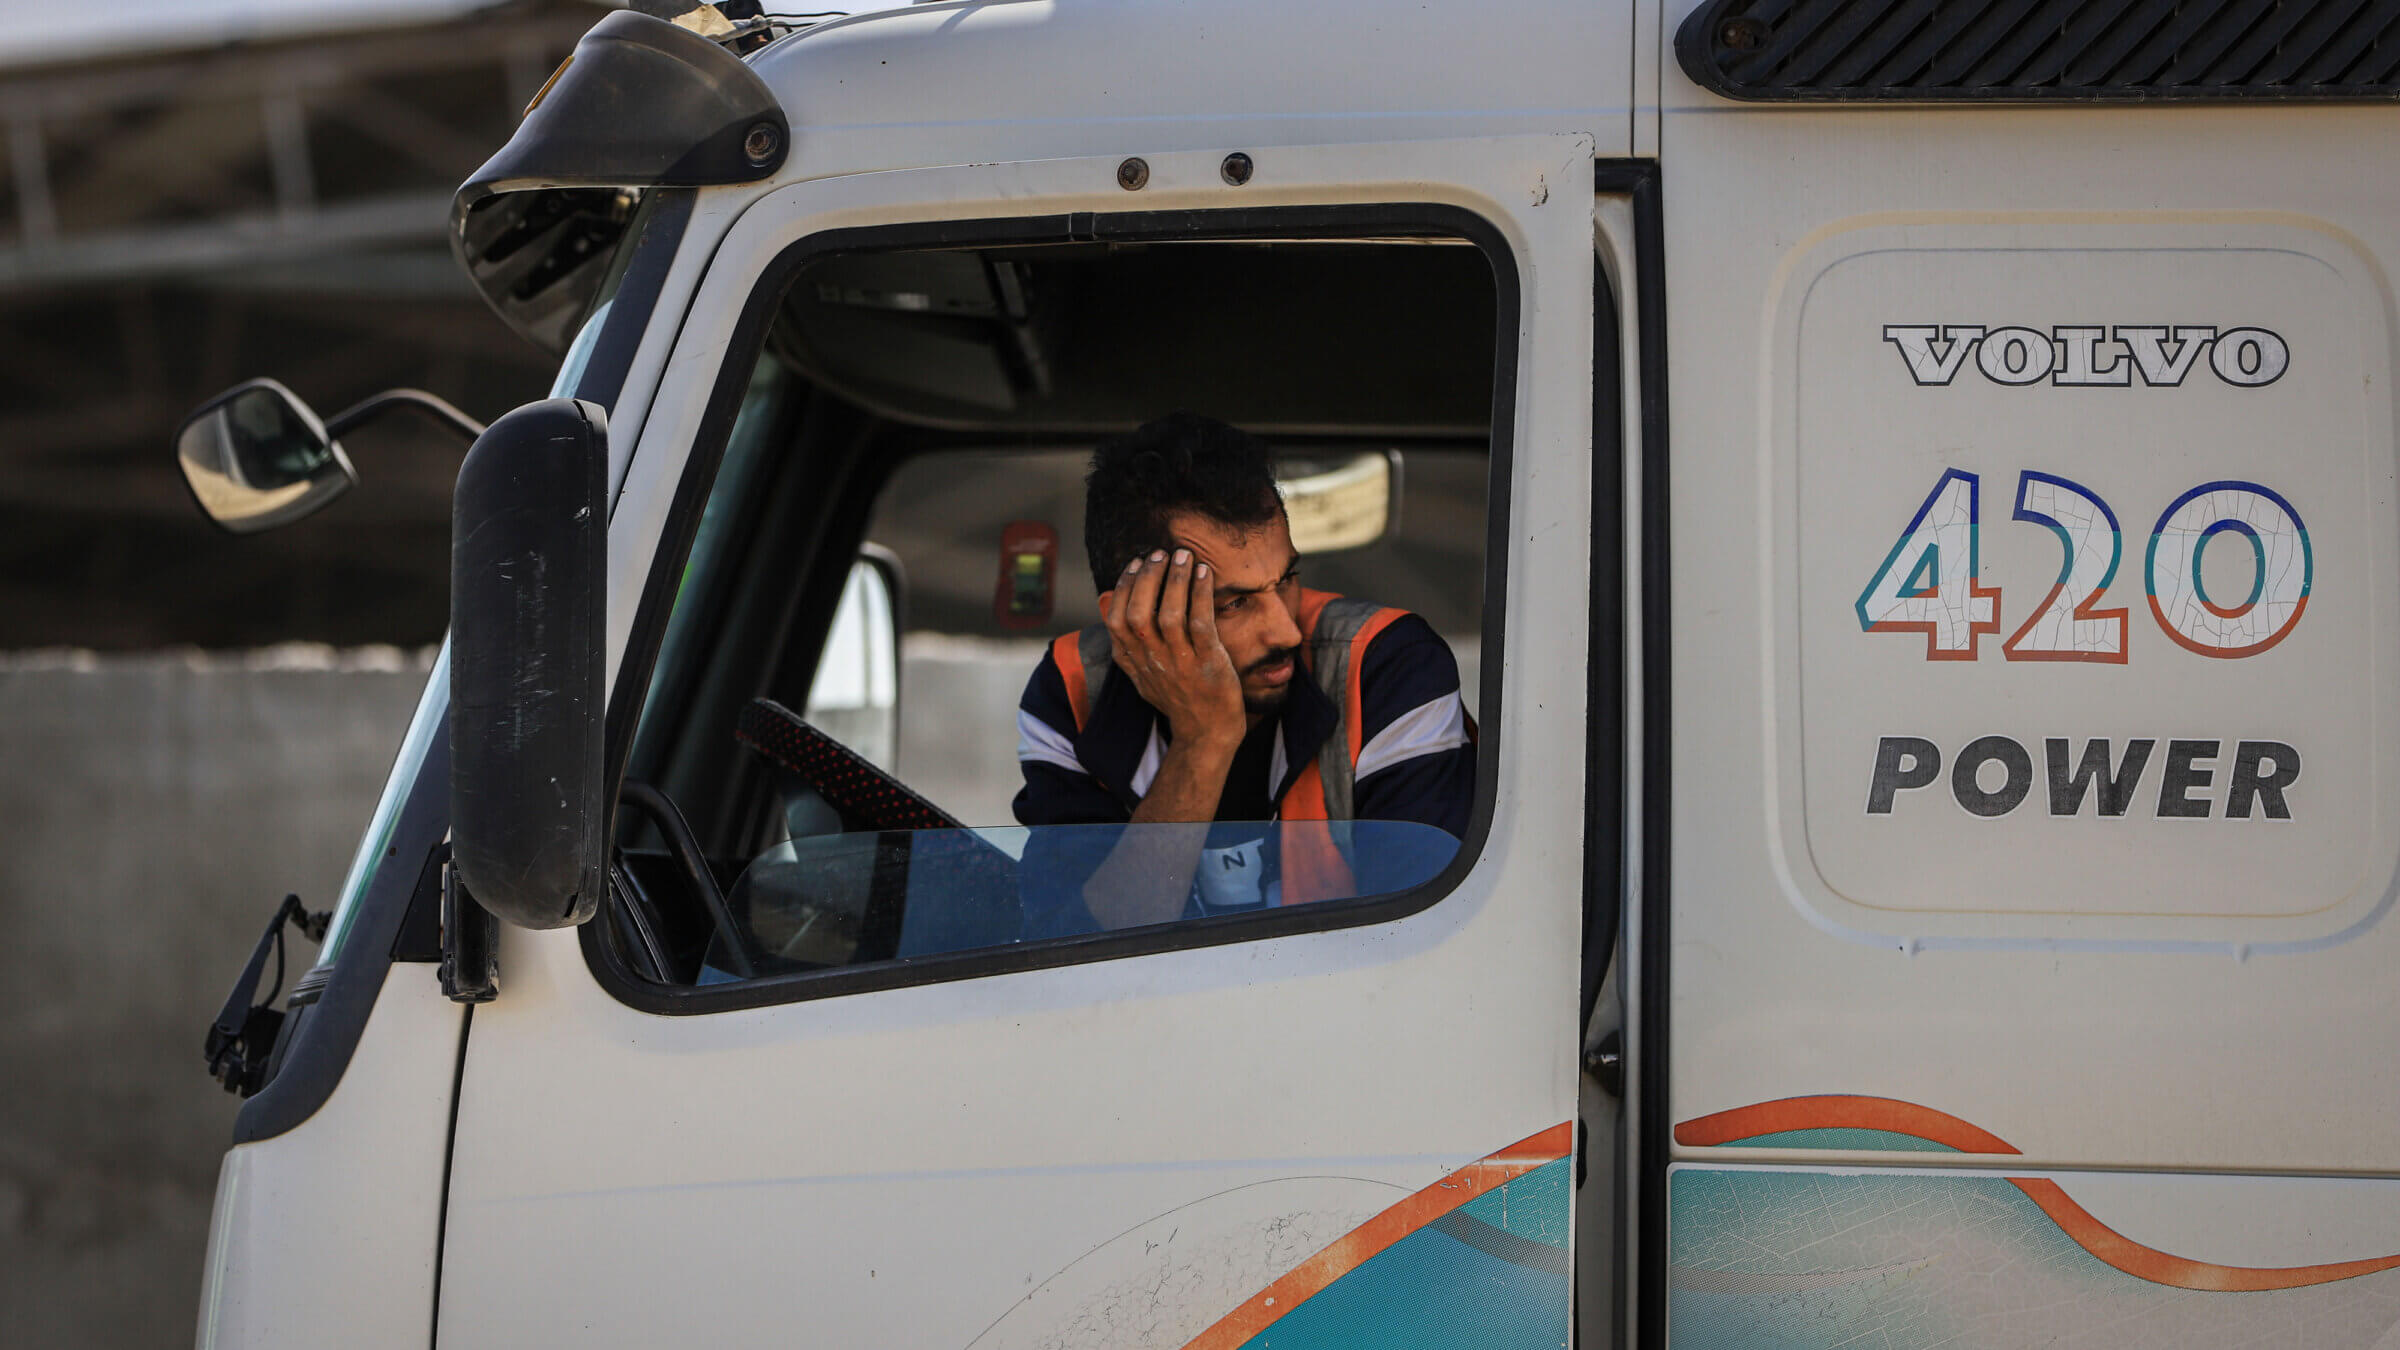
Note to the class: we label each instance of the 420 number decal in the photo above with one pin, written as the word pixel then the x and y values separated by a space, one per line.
pixel 1930 582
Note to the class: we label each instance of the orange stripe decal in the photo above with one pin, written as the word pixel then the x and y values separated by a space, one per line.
pixel 1354 1248
pixel 1838 1112
pixel 2148 1263
pixel 2104 1243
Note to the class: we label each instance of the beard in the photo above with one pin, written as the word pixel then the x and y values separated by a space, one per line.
pixel 1272 698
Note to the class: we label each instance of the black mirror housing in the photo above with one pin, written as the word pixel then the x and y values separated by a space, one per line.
pixel 528 567
pixel 256 457
pixel 640 104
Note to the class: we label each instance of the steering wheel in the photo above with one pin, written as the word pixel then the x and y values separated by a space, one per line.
pixel 970 900
pixel 864 796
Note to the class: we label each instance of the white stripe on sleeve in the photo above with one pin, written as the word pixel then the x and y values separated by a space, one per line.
pixel 1424 730
pixel 1039 743
pixel 1146 772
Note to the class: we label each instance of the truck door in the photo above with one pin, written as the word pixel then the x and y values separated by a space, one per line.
pixel 840 1064
pixel 2027 919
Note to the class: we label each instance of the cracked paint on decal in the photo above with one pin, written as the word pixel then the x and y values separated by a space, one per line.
pixel 1157 1286
pixel 1803 1259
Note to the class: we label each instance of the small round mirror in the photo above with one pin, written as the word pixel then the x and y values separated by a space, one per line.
pixel 257 457
pixel 1340 503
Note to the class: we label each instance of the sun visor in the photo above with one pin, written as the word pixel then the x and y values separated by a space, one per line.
pixel 641 103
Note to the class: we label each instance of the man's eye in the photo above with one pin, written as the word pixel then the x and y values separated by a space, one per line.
pixel 1228 606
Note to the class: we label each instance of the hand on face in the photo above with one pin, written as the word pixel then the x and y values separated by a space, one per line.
pixel 1162 628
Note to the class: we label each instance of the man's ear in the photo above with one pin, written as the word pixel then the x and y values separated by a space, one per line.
pixel 1107 598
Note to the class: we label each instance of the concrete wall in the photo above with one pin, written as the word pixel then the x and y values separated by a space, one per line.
pixel 153 812
pixel 958 722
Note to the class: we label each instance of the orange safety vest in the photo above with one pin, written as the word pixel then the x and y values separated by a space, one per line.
pixel 1313 817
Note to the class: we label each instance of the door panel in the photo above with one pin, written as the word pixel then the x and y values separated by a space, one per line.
pixel 2183 981
pixel 290 1261
pixel 1188 1147
pixel 1934 371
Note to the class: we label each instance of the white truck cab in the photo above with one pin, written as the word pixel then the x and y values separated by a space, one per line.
pixel 1909 489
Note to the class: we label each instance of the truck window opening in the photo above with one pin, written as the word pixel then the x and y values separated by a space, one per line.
pixel 935 409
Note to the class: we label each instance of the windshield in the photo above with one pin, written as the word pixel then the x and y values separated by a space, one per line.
pixel 619 312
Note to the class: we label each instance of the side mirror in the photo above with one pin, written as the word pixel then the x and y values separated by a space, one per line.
pixel 1340 503
pixel 257 457
pixel 528 567
pixel 855 695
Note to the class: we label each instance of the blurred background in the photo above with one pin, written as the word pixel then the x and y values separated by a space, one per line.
pixel 193 192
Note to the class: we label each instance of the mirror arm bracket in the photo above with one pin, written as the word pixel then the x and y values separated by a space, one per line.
pixel 367 410
pixel 470 968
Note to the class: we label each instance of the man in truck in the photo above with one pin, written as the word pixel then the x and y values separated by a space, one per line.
pixel 1221 696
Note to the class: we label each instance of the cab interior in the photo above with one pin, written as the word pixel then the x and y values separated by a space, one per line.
pixel 913 416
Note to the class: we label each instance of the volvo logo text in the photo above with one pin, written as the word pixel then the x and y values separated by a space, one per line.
pixel 2161 355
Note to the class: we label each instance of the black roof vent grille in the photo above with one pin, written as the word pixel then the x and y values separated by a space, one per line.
pixel 2059 50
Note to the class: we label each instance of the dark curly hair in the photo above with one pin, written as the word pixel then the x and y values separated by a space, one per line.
pixel 1178 463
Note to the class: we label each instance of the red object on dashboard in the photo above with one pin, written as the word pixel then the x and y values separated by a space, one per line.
pixel 1028 573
